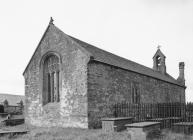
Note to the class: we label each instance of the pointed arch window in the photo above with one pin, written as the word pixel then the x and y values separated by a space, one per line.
pixel 51 78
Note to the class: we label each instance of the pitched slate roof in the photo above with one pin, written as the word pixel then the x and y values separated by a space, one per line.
pixel 112 59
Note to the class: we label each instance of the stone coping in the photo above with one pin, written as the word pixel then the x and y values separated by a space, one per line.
pixel 14 119
pixel 184 124
pixel 4 113
pixel 141 124
pixel 159 119
pixel 165 118
pixel 174 117
pixel 114 119
pixel 13 131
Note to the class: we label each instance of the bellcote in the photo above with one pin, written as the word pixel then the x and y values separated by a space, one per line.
pixel 159 61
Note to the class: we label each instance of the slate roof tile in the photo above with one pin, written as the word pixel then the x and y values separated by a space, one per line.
pixel 112 59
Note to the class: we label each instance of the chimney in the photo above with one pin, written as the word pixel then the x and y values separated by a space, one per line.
pixel 181 78
pixel 163 66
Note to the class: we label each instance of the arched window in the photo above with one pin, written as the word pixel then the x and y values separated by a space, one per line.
pixel 51 79
pixel 158 61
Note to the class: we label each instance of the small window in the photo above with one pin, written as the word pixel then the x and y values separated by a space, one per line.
pixel 135 91
pixel 158 61
pixel 167 95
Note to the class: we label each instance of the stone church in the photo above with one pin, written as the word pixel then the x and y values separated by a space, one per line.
pixel 70 83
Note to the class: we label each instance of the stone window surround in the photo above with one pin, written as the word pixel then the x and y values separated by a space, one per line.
pixel 44 57
pixel 158 61
pixel 135 92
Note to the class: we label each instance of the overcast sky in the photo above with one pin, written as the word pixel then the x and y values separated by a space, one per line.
pixel 129 28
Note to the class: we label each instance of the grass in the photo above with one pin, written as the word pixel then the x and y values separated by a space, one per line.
pixel 175 136
pixel 56 133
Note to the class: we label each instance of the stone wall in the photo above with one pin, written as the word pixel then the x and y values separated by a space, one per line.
pixel 71 111
pixel 13 109
pixel 108 85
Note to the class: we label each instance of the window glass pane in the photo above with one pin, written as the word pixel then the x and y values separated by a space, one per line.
pixel 50 80
pixel 58 96
pixel 49 88
pixel 135 93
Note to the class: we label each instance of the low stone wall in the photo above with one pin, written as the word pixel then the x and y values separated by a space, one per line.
pixel 13 109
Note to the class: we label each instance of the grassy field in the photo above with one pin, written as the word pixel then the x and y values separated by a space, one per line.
pixel 56 133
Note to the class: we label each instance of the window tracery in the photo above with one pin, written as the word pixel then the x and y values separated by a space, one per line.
pixel 51 73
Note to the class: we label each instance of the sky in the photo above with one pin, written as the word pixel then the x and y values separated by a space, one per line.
pixel 129 28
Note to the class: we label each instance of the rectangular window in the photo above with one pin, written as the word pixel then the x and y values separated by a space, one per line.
pixel 52 87
pixel 49 88
pixel 135 92
pixel 58 95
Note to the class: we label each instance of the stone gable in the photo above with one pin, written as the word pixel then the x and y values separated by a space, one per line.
pixel 72 108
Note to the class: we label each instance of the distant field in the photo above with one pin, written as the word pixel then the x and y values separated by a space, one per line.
pixel 56 133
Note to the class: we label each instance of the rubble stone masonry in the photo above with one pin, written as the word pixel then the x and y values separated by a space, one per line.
pixel 71 111
pixel 109 84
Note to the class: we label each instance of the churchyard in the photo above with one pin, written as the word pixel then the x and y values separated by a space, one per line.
pixel 163 121
pixel 147 120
